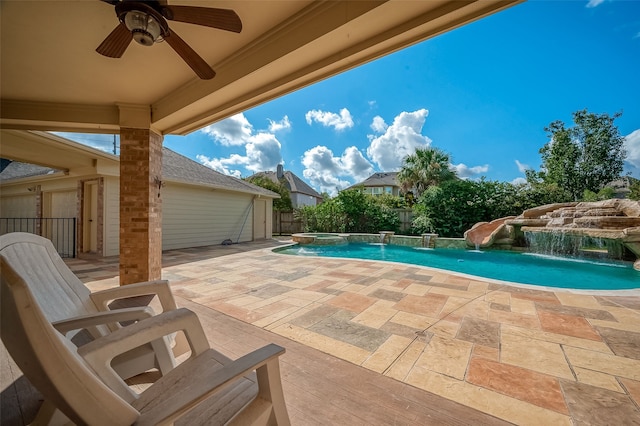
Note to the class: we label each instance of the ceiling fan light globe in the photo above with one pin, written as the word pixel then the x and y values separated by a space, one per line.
pixel 143 37
pixel 145 28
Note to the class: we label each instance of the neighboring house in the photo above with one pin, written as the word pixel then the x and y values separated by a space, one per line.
pixel 380 183
pixel 199 205
pixel 622 186
pixel 301 193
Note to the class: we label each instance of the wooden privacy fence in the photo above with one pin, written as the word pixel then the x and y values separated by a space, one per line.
pixel 285 222
pixel 406 216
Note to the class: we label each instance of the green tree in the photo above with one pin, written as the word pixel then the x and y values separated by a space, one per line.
pixel 281 204
pixel 425 168
pixel 455 206
pixel 586 156
pixel 451 208
pixel 634 187
pixel 350 211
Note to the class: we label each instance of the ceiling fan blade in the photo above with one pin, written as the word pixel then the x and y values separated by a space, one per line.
pixel 197 64
pixel 116 43
pixel 223 19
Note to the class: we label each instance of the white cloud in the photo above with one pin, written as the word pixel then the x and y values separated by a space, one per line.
pixel 378 125
pixel 98 141
pixel 328 173
pixel 632 146
pixel 276 126
pixel 522 167
pixel 519 181
pixel 399 140
pixel 263 152
pixel 330 119
pixel 465 172
pixel 262 149
pixel 354 162
pixel 233 131
pixel 222 164
pixel 594 3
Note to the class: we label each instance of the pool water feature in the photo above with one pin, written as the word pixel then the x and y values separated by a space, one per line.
pixel 524 268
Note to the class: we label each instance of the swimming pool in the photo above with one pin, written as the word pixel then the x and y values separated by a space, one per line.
pixel 525 268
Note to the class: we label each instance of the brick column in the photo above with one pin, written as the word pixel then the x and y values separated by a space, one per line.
pixel 140 205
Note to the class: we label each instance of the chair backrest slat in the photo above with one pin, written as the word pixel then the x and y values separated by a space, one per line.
pixel 50 361
pixel 60 293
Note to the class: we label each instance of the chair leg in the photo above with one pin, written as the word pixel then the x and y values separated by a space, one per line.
pixel 270 389
pixel 49 415
pixel 164 355
pixel 268 407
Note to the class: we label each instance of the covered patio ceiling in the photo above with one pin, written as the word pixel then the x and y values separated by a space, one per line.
pixel 51 77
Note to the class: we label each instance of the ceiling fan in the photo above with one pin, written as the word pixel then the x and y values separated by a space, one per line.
pixel 146 23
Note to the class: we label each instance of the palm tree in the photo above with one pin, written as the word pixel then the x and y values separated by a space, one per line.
pixel 426 167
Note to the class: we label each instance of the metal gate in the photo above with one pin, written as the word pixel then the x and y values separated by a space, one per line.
pixel 61 231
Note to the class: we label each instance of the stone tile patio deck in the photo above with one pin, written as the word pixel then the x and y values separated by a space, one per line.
pixel 523 355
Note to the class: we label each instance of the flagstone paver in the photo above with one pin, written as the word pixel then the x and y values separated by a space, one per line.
pixel 539 389
pixel 524 355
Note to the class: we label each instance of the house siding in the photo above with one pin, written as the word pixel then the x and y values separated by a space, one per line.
pixel 299 200
pixel 18 206
pixel 193 218
pixel 111 216
pixel 63 204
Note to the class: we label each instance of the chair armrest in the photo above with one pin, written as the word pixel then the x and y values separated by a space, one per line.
pixel 83 321
pixel 159 287
pixel 209 381
pixel 99 353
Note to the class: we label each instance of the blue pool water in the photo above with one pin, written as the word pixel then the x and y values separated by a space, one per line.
pixel 516 267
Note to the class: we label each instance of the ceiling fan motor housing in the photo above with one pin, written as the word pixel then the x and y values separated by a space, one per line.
pixel 145 21
pixel 147 25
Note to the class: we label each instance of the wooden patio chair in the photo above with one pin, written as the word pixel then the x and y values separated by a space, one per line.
pixel 82 315
pixel 207 388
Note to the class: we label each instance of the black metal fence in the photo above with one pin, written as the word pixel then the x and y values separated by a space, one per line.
pixel 61 231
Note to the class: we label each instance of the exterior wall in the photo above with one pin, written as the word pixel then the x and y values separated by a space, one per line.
pixel 111 216
pixel 18 205
pixel 269 224
pixel 379 190
pixel 192 216
pixel 195 217
pixel 61 204
pixel 299 200
pixel 16 200
pixel 263 218
pixel 50 197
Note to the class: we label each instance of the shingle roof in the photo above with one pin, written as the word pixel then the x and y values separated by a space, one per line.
pixel 179 168
pixel 380 179
pixel 17 170
pixel 292 182
pixel 175 167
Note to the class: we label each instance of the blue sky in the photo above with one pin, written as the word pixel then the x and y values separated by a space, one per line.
pixel 483 93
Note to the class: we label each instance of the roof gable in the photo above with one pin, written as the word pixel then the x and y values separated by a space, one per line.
pixel 380 179
pixel 291 181
pixel 18 170
pixel 175 167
